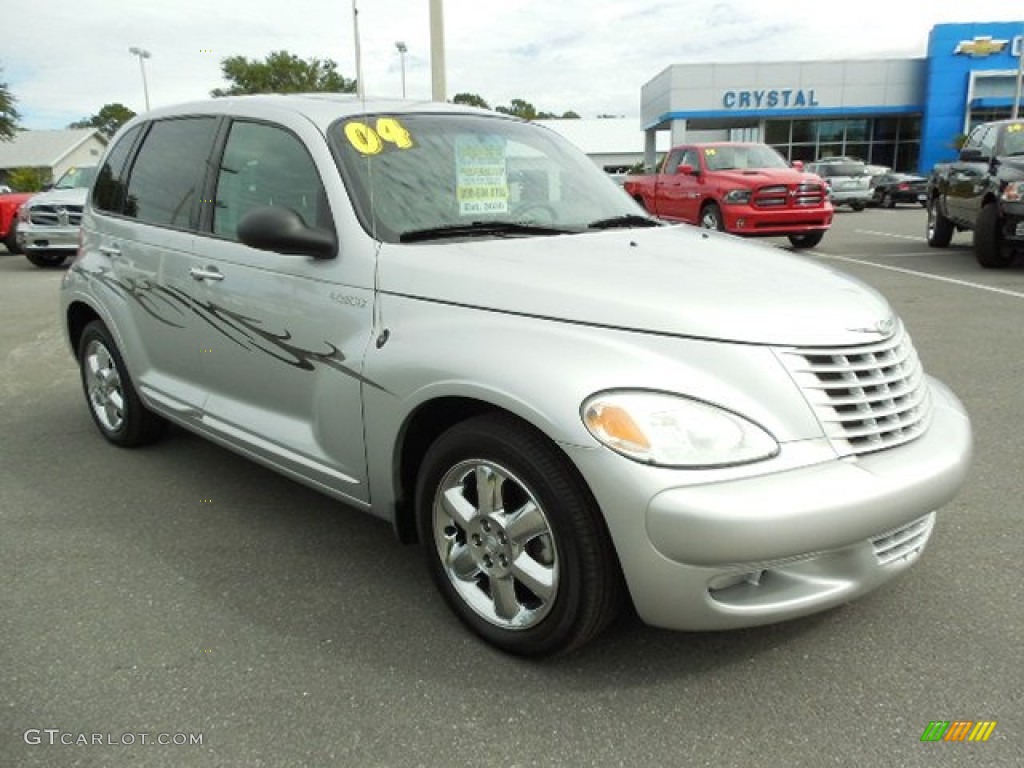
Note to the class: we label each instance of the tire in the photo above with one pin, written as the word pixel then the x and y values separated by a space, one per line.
pixel 47 259
pixel 940 229
pixel 640 201
pixel 711 217
pixel 989 249
pixel 808 240
pixel 530 567
pixel 887 201
pixel 11 241
pixel 858 207
pixel 113 402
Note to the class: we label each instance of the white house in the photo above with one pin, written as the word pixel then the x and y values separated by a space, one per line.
pixel 52 151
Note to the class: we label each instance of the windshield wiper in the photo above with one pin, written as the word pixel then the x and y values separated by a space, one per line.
pixel 480 229
pixel 624 221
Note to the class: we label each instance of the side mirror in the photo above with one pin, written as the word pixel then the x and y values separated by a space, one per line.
pixel 687 170
pixel 273 228
pixel 798 165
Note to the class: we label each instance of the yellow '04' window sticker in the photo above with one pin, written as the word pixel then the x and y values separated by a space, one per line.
pixel 1015 128
pixel 387 132
pixel 710 152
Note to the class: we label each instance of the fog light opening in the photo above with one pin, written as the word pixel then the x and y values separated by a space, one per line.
pixel 728 581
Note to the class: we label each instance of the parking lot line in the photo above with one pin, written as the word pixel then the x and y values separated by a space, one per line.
pixel 939 278
pixel 888 234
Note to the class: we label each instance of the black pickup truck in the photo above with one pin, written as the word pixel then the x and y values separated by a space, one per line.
pixel 982 191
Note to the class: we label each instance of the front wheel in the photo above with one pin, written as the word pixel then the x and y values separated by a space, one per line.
pixel 940 229
pixel 113 402
pixel 808 240
pixel 711 217
pixel 47 259
pixel 858 206
pixel 11 241
pixel 515 542
pixel 989 248
pixel 887 201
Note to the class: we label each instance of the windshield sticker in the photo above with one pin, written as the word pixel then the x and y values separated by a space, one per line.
pixel 481 176
pixel 1015 128
pixel 710 152
pixel 372 141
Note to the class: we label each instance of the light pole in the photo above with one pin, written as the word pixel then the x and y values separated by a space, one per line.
pixel 437 84
pixel 143 55
pixel 1019 43
pixel 402 50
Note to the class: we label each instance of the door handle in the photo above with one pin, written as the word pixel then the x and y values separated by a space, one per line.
pixel 110 250
pixel 205 273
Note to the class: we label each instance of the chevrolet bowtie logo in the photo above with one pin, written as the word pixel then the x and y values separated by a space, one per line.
pixel 980 46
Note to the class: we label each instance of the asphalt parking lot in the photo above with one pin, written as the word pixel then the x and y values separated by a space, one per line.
pixel 182 591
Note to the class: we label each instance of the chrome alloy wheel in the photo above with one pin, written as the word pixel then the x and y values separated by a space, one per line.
pixel 103 385
pixel 495 544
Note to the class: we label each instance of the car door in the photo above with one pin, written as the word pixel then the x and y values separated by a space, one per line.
pixel 966 176
pixel 285 335
pixel 673 187
pixel 148 243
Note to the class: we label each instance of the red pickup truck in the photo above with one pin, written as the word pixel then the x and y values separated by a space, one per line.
pixel 746 189
pixel 9 205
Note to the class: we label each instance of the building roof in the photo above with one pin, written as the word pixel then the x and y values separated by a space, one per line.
pixel 605 135
pixel 44 149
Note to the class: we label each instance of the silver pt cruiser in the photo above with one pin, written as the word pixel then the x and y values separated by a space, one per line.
pixel 455 321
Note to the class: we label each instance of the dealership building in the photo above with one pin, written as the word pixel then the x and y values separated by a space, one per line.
pixel 903 113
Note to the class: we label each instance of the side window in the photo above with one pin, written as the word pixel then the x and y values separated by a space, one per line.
pixel 691 158
pixel 266 165
pixel 672 164
pixel 974 139
pixel 988 142
pixel 167 176
pixel 108 192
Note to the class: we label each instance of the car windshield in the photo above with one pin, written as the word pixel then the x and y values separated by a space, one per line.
pixel 434 176
pixel 1014 141
pixel 76 178
pixel 841 169
pixel 742 156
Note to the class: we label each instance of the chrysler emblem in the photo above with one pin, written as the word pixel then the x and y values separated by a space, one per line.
pixel 883 327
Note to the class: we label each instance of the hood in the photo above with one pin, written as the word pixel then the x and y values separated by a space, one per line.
pixel 677 280
pixel 766 176
pixel 1016 162
pixel 74 196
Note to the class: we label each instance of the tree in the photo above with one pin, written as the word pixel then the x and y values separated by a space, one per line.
pixel 471 100
pixel 8 114
pixel 570 115
pixel 107 120
pixel 281 72
pixel 519 108
pixel 28 179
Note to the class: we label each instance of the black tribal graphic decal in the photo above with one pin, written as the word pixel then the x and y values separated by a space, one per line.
pixel 170 306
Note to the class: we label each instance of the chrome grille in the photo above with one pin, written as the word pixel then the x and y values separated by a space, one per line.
pixel 792 196
pixel 905 542
pixel 56 215
pixel 868 397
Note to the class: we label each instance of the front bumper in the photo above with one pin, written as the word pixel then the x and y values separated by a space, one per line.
pixel 32 237
pixel 764 222
pixel 764 548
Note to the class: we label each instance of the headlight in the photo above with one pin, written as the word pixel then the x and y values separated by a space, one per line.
pixel 674 431
pixel 737 196
pixel 1013 192
pixel 23 213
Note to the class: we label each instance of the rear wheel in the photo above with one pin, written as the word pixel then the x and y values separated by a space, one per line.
pixel 857 206
pixel 887 201
pixel 711 217
pixel 940 229
pixel 515 542
pixel 113 402
pixel 808 240
pixel 47 259
pixel 989 248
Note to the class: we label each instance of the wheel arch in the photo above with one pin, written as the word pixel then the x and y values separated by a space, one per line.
pixel 422 427
pixel 79 314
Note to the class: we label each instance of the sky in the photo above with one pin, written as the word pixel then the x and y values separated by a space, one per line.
pixel 589 56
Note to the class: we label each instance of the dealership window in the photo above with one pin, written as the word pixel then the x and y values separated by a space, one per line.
pixel 891 141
